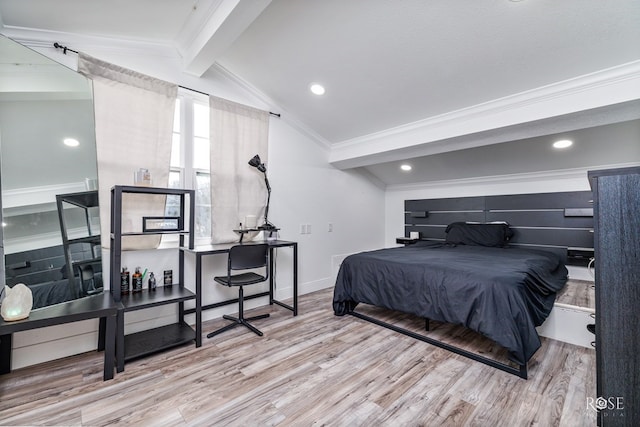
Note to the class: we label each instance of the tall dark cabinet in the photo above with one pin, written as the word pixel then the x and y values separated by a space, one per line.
pixel 617 252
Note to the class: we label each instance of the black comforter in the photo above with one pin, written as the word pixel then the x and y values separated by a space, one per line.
pixel 503 293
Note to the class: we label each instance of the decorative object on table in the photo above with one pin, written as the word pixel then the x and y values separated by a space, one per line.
pixel 168 278
pixel 250 222
pixel 161 223
pixel 136 281
pixel 142 178
pixel 266 226
pixel 124 281
pixel 249 228
pixel 152 282
pixel 17 302
pixel 91 184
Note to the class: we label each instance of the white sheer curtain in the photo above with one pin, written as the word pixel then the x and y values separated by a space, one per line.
pixel 238 133
pixel 134 123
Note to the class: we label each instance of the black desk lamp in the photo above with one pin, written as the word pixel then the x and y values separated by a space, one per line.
pixel 257 163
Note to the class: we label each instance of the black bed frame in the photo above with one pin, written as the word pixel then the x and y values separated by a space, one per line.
pixel 558 222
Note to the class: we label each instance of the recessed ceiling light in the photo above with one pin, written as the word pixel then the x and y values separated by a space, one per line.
pixel 405 167
pixel 71 142
pixel 563 143
pixel 317 89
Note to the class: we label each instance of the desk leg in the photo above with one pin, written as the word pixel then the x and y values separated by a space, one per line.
pixel 199 300
pixel 295 279
pixel 5 353
pixel 109 345
pixel 271 276
pixel 120 341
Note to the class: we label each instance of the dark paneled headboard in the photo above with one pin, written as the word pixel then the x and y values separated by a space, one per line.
pixel 559 222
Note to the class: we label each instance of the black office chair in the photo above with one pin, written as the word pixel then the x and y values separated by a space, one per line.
pixel 88 280
pixel 244 257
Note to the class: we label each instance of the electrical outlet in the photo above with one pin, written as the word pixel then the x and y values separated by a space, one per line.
pixel 330 227
pixel 305 228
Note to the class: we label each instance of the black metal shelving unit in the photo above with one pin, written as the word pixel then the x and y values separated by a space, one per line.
pixel 150 341
pixel 84 200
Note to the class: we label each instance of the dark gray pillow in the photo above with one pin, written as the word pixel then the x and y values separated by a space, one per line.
pixel 494 235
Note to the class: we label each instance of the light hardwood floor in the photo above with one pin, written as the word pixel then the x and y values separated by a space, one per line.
pixel 580 293
pixel 314 369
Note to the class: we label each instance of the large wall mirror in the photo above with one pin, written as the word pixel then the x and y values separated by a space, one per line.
pixel 50 215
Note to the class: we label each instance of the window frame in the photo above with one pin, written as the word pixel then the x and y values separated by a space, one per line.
pixel 186 171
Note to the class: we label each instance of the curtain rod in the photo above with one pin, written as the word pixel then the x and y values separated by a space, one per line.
pixel 204 93
pixel 65 49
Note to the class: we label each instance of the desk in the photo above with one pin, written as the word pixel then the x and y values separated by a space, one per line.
pixel 99 306
pixel 201 251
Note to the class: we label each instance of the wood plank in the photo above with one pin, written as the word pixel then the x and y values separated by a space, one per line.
pixel 449 204
pixel 444 218
pixel 554 218
pixel 579 238
pixel 568 199
pixel 579 293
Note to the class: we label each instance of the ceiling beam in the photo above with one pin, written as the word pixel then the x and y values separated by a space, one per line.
pixel 612 94
pixel 210 32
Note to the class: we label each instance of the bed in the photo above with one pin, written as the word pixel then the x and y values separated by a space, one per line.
pixel 473 279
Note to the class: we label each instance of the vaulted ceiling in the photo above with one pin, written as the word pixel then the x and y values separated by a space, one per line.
pixel 405 80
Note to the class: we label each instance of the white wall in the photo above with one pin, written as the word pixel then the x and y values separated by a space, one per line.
pixel 306 190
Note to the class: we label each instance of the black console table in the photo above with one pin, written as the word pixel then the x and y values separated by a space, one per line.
pixel 99 306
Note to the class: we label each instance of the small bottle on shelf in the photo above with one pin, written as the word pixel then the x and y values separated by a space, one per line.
pixel 124 281
pixel 152 282
pixel 136 282
pixel 168 278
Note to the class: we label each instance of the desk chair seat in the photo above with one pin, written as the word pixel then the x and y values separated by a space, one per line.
pixel 244 257
pixel 88 281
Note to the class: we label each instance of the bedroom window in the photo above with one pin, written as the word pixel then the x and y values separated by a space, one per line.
pixel 190 157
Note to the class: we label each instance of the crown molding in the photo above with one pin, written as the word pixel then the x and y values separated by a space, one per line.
pixel 552 175
pixel 40 39
pixel 272 105
pixel 18 198
pixel 602 88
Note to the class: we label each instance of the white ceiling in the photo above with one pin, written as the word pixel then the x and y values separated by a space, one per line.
pixel 387 63
pixel 384 63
